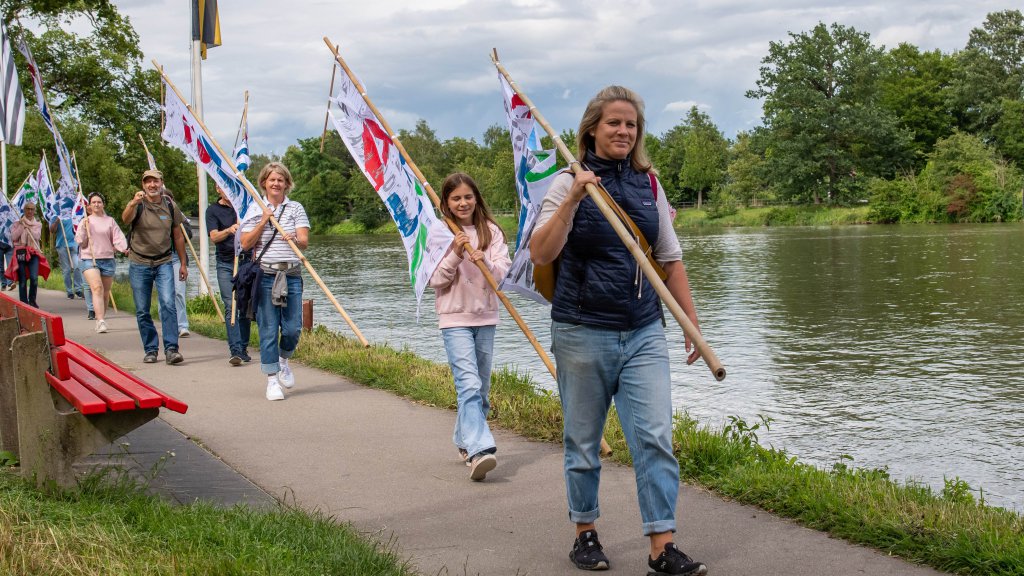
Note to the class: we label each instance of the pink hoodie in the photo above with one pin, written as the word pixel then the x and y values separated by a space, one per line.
pixel 464 298
pixel 105 235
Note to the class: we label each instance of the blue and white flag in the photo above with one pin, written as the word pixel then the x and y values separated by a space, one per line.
pixel 67 187
pixel 9 214
pixel 241 152
pixel 46 198
pixel 535 170
pixel 12 102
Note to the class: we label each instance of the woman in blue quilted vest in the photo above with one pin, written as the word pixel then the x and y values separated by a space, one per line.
pixel 607 329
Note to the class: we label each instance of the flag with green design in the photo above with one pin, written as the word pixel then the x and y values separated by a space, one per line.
pixel 535 170
pixel 425 236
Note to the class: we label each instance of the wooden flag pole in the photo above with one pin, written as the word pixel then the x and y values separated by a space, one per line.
pixel 229 162
pixel 689 329
pixel 188 242
pixel 74 159
pixel 330 93
pixel 234 266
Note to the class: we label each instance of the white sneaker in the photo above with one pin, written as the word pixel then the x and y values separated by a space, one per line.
pixel 285 376
pixel 101 327
pixel 274 391
pixel 184 333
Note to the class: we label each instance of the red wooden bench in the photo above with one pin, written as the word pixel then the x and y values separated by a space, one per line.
pixel 60 400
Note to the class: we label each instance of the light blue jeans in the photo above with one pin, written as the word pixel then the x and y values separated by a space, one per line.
pixel 238 333
pixel 179 295
pixel 5 260
pixel 73 282
pixel 470 349
pixel 142 278
pixel 595 366
pixel 279 326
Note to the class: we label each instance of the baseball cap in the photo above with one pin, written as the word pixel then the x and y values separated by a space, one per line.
pixel 152 173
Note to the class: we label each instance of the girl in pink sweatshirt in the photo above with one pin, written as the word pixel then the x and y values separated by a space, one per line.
pixel 467 309
pixel 99 238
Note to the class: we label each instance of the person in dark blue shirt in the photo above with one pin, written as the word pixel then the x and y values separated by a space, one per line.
pixel 222 223
pixel 63 232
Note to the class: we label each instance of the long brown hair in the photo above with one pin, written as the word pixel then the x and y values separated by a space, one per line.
pixel 592 117
pixel 481 214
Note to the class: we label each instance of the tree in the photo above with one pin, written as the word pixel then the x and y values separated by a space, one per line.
pixel 821 112
pixel 989 73
pixel 707 153
pixel 746 182
pixel 912 88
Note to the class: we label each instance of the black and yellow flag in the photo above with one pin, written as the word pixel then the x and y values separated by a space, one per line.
pixel 205 24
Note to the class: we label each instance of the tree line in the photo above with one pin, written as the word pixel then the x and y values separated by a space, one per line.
pixel 921 136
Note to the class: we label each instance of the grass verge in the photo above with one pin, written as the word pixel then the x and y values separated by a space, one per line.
pixel 951 530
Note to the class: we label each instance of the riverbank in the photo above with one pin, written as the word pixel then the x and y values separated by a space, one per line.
pixel 948 530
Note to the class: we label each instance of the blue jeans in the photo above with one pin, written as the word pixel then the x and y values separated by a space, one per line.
pixel 470 349
pixel 279 326
pixel 142 278
pixel 179 295
pixel 69 268
pixel 596 365
pixel 6 252
pixel 86 291
pixel 28 280
pixel 238 334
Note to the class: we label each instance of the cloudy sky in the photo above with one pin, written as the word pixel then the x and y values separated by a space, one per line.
pixel 429 59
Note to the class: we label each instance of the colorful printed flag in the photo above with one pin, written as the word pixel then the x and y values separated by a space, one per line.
pixel 24 194
pixel 78 213
pixel 535 170
pixel 46 198
pixel 241 152
pixel 67 186
pixel 425 237
pixel 183 132
pixel 12 102
pixel 9 214
pixel 205 24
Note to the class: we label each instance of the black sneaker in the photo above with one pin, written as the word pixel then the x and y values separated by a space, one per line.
pixel 586 552
pixel 673 562
pixel 71 296
pixel 150 358
pixel 80 294
pixel 91 315
pixel 245 356
pixel 173 356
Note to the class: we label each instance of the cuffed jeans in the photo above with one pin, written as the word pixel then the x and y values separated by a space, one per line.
pixel 238 333
pixel 470 349
pixel 595 366
pixel 279 326
pixel 69 268
pixel 142 278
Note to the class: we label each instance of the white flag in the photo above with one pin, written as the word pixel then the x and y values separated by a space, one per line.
pixel 391 177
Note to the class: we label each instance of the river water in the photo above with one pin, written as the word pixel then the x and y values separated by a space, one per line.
pixel 900 346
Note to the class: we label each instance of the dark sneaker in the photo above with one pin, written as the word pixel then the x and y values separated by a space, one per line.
pixel 71 296
pixel 150 358
pixel 587 552
pixel 91 315
pixel 672 562
pixel 244 356
pixel 174 357
pixel 235 360
pixel 80 294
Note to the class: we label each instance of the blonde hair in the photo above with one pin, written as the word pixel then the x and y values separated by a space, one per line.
pixel 592 117
pixel 280 169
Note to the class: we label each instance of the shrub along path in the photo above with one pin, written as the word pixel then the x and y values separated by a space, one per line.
pixel 387 466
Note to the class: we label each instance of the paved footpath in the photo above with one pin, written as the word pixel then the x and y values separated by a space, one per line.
pixel 387 466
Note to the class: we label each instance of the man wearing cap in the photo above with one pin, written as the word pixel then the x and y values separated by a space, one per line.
pixel 154 239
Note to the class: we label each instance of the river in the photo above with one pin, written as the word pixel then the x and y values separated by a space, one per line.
pixel 899 346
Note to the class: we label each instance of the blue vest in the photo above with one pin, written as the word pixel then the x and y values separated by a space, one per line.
pixel 599 282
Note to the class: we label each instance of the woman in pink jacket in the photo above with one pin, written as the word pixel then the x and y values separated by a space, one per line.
pixel 25 236
pixel 467 309
pixel 99 238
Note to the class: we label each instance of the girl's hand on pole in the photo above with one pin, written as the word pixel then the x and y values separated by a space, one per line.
pixel 476 255
pixel 461 239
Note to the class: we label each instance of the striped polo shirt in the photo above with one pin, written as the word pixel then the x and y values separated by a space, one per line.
pixel 292 217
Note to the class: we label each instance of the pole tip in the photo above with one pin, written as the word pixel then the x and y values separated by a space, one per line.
pixel 720 374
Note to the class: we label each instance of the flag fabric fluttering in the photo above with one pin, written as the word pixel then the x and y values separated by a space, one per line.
pixel 24 194
pixel 183 132
pixel 205 24
pixel 46 198
pixel 78 212
pixel 149 158
pixel 12 101
pixel 535 170
pixel 8 216
pixel 426 239
pixel 241 152
pixel 67 187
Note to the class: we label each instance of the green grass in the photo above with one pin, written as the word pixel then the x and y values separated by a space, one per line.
pixel 109 527
pixel 951 530
pixel 774 216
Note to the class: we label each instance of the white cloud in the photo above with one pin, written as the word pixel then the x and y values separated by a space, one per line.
pixel 430 59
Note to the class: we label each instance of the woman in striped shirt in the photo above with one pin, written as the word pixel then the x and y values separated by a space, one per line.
pixel 279 291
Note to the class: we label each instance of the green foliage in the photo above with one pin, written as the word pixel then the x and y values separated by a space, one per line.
pixel 911 88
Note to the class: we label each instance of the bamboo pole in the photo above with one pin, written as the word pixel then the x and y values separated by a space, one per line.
pixel 688 327
pixel 273 220
pixel 330 93
pixel 454 227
